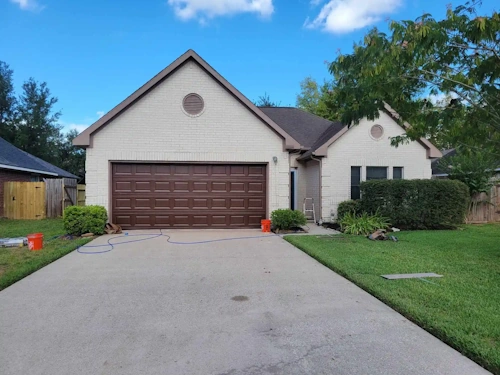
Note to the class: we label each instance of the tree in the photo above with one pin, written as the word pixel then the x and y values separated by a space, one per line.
pixel 313 98
pixel 476 169
pixel 37 130
pixel 7 102
pixel 71 158
pixel 265 101
pixel 458 56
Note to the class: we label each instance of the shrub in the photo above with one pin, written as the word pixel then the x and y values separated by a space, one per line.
pixel 362 224
pixel 88 219
pixel 353 206
pixel 417 204
pixel 285 219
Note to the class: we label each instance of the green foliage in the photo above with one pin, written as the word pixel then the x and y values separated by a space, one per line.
pixel 362 224
pixel 350 206
pixel 79 220
pixel 285 219
pixel 475 169
pixel 313 98
pixel 417 204
pixel 456 58
pixel 37 130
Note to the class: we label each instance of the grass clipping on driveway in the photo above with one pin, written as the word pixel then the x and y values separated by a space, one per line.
pixel 18 262
pixel 462 308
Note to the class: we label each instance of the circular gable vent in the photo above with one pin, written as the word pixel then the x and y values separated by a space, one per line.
pixel 377 131
pixel 193 104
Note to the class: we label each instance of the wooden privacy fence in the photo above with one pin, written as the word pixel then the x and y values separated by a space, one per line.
pixel 38 200
pixel 80 195
pixel 485 208
pixel 24 200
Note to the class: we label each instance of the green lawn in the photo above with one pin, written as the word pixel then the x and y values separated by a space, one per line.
pixel 16 263
pixel 462 308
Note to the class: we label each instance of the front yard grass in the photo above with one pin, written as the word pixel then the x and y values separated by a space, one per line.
pixel 462 308
pixel 17 263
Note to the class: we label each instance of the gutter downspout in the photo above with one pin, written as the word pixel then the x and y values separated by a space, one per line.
pixel 320 205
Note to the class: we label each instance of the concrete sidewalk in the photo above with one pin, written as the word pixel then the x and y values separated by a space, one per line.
pixel 247 306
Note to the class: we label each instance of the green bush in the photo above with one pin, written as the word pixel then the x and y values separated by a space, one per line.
pixel 417 204
pixel 285 219
pixel 353 206
pixel 362 224
pixel 88 219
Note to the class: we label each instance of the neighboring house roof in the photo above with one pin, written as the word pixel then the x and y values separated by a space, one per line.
pixel 84 139
pixel 15 159
pixel 305 127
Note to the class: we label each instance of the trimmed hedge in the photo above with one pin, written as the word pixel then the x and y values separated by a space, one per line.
pixel 345 207
pixel 417 204
pixel 285 219
pixel 79 220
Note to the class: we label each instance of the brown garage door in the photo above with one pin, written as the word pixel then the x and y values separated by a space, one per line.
pixel 188 195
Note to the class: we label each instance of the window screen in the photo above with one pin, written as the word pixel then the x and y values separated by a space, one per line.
pixel 355 182
pixel 397 173
pixel 376 173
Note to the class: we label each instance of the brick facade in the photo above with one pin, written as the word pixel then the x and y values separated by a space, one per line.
pixel 156 128
pixel 357 148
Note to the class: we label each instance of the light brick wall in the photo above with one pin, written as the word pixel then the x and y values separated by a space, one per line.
pixel 357 148
pixel 156 129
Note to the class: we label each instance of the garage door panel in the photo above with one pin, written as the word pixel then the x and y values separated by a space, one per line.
pixel 181 187
pixel 162 187
pixel 188 195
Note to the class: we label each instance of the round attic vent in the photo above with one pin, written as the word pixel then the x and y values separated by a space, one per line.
pixel 193 104
pixel 377 131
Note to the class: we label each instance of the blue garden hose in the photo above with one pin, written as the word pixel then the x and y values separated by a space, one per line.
pixel 111 244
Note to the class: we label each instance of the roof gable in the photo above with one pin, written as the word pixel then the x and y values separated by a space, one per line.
pixel 85 138
pixel 335 132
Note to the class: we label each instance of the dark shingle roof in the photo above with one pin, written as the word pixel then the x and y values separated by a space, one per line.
pixel 11 156
pixel 305 127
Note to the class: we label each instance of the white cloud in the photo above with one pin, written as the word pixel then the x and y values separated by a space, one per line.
pixel 441 98
pixel 343 16
pixel 100 113
pixel 206 9
pixel 28 5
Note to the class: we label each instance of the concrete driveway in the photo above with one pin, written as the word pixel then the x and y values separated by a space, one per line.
pixel 250 306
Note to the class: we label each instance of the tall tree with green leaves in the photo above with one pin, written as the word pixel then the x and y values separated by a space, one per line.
pixel 7 102
pixel 71 158
pixel 458 56
pixel 313 98
pixel 37 128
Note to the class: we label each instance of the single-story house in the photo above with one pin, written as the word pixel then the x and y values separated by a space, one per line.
pixel 188 150
pixel 18 165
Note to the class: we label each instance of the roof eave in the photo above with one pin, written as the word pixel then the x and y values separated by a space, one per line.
pixel 21 169
pixel 432 151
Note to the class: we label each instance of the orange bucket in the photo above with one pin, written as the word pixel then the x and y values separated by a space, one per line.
pixel 265 225
pixel 35 241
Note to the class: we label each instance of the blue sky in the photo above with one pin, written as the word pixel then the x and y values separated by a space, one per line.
pixel 93 54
